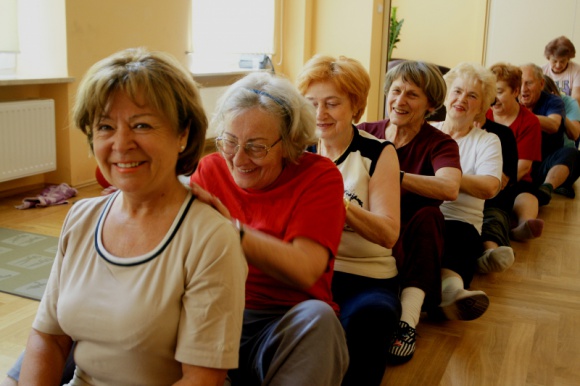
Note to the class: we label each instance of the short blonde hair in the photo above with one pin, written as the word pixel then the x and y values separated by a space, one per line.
pixel 479 74
pixel 347 75
pixel 277 96
pixel 158 77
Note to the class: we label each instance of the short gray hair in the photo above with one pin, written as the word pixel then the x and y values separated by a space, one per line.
pixel 536 70
pixel 426 76
pixel 277 96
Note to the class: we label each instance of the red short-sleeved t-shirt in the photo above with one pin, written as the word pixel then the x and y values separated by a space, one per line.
pixel 305 201
pixel 528 132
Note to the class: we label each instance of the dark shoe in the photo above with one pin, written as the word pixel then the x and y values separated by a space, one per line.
pixel 403 346
pixel 465 305
pixel 566 191
pixel 544 194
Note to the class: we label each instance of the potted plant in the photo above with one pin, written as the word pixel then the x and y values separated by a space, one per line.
pixel 394 31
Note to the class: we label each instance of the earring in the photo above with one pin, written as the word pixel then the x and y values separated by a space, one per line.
pixel 182 148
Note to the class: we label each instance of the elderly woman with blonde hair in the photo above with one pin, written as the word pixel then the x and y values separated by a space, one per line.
pixel 471 89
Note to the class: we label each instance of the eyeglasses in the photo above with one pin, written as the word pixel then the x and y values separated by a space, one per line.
pixel 255 151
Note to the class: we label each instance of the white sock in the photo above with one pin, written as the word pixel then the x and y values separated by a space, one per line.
pixel 412 300
pixel 449 288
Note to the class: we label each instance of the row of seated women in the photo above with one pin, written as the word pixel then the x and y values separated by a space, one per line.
pixel 337 249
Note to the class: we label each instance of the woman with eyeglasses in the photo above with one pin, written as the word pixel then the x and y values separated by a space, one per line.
pixel 365 284
pixel 287 205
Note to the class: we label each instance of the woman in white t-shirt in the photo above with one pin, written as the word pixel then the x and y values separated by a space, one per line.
pixel 471 89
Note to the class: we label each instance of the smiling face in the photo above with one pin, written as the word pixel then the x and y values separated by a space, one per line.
pixel 136 147
pixel 559 63
pixel 506 98
pixel 261 128
pixel 464 100
pixel 407 104
pixel 334 112
pixel 531 88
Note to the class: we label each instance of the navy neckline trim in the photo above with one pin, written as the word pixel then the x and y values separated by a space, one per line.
pixel 157 252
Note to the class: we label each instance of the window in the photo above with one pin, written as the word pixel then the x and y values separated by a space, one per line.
pixel 41 37
pixel 226 31
pixel 8 36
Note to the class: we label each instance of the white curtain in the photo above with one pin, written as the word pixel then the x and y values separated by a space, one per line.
pixel 9 26
pixel 233 26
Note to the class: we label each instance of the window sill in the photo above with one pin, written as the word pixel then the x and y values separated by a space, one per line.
pixel 14 80
pixel 222 78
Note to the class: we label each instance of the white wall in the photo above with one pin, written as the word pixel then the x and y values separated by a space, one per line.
pixel 449 31
pixel 520 29
pixel 209 97
pixel 444 32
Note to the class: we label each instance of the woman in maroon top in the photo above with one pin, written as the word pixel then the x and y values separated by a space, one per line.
pixel 431 173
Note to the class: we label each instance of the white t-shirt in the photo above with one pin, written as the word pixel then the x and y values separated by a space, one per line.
pixel 135 320
pixel 480 154
pixel 566 80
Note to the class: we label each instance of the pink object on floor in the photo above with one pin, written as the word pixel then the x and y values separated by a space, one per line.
pixel 51 195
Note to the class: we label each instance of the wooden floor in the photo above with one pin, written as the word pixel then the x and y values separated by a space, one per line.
pixel 530 334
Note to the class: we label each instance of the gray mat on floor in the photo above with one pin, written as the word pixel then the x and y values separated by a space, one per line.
pixel 25 262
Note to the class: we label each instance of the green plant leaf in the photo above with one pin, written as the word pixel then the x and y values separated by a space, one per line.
pixel 394 32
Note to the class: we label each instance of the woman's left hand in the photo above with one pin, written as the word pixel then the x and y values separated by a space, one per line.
pixel 208 198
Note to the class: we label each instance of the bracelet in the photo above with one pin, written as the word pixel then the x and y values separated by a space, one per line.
pixel 240 228
pixel 402 175
pixel 346 202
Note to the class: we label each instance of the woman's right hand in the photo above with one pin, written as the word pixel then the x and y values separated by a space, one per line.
pixel 208 198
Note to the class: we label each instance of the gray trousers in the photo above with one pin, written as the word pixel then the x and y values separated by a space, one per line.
pixel 302 346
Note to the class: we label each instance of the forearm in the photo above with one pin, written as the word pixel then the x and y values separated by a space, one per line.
pixel 299 264
pixel 549 125
pixel 382 230
pixel 201 376
pixel 524 166
pixel 572 129
pixel 483 187
pixel 437 187
pixel 504 181
pixel 576 94
pixel 44 359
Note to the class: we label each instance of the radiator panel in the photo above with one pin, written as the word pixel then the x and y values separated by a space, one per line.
pixel 27 138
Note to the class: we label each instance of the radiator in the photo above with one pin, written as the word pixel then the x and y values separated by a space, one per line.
pixel 27 138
